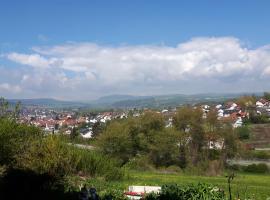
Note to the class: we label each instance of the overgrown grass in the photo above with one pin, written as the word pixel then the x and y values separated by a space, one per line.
pixel 249 186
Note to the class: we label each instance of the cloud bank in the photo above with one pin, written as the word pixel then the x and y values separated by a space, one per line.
pixel 89 70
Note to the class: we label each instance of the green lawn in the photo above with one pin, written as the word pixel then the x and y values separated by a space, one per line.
pixel 247 185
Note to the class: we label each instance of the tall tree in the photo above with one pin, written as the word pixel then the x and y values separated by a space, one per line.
pixel 3 107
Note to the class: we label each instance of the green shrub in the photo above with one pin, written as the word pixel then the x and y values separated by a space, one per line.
pixel 191 192
pixel 214 154
pixel 114 174
pixel 174 169
pixel 235 167
pixel 114 194
pixel 14 139
pixel 243 132
pixel 140 163
pixel 259 168
pixel 261 154
pixel 48 155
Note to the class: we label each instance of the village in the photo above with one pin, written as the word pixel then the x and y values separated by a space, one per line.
pixel 55 121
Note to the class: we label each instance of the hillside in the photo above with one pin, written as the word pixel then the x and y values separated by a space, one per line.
pixel 47 102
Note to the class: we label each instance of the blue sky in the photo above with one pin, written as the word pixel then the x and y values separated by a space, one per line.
pixel 36 37
pixel 132 22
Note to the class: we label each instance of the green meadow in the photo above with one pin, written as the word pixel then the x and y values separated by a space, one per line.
pixel 244 186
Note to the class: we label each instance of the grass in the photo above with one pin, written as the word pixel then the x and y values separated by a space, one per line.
pixel 250 186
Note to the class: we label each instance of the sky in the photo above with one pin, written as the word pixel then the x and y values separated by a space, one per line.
pixel 84 49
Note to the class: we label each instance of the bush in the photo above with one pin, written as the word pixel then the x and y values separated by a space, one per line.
pixel 174 169
pixel 14 139
pixel 214 154
pixel 261 154
pixel 243 132
pixel 140 163
pixel 199 191
pixel 48 155
pixel 114 174
pixel 113 194
pixel 259 168
pixel 258 119
pixel 96 164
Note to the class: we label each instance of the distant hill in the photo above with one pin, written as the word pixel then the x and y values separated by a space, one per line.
pixel 160 101
pixel 173 100
pixel 47 102
pixel 129 101
pixel 113 100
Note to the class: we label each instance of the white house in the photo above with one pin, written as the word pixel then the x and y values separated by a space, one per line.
pixel 238 122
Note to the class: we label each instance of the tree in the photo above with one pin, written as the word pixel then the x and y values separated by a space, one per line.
pixel 3 107
pixel 229 149
pixel 97 128
pixel 212 121
pixel 197 142
pixel 183 118
pixel 48 155
pixel 14 139
pixel 17 110
pixel 152 121
pixel 246 102
pixel 266 95
pixel 164 149
pixel 116 141
pixel 74 133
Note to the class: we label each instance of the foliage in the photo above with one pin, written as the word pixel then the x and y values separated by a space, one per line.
pixel 139 163
pixel 266 95
pixel 257 119
pixel 3 107
pixel 261 154
pixel 97 128
pixel 246 101
pixel 14 139
pixel 74 133
pixel 125 139
pixel 114 194
pixel 257 168
pixel 164 149
pixel 230 142
pixel 243 132
pixel 244 184
pixel 184 145
pixel 115 141
pixel 191 192
pixel 48 155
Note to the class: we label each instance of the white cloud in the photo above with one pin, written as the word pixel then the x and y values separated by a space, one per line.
pixel 6 87
pixel 34 60
pixel 143 69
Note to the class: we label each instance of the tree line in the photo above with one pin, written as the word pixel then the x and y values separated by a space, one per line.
pixel 146 140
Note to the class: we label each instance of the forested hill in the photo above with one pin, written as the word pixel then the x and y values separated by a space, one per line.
pixel 47 102
pixel 129 101
pixel 160 101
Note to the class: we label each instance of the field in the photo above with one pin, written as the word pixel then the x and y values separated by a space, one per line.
pixel 246 185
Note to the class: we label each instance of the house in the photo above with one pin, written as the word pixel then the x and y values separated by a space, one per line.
pixel 216 144
pixel 262 103
pixel 86 133
pixel 238 122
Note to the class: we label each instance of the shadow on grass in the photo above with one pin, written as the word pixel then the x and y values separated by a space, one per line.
pixel 21 184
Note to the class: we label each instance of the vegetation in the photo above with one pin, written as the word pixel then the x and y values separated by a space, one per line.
pixel 43 162
pixel 144 141
pixel 190 192
pixel 243 132
pixel 54 167
pixel 243 186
